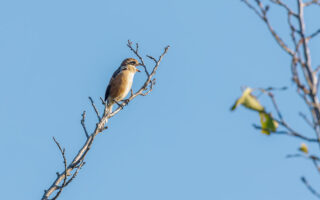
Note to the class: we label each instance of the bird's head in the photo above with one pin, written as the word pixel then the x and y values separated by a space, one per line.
pixel 131 64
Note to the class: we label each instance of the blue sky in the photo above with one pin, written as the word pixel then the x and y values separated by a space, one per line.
pixel 181 141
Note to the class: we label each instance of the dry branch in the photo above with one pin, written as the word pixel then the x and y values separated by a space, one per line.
pixel 310 188
pixel 65 169
pixel 83 123
pixel 78 161
pixel 304 75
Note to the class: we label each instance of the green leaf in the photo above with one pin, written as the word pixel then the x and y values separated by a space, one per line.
pixel 249 101
pixel 304 148
pixel 267 123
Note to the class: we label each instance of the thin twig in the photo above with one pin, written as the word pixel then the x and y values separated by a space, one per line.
pixel 313 34
pixel 281 120
pixel 304 76
pixel 95 108
pixel 263 15
pixel 306 119
pixel 275 105
pixel 310 188
pixel 135 51
pixel 147 82
pixel 131 92
pixel 76 172
pixel 289 10
pixel 65 169
pixel 83 123
pixel 152 83
pixel 289 133
pixel 312 2
pixel 78 160
pixel 102 101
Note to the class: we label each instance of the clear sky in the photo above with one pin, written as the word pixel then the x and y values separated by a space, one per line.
pixel 181 141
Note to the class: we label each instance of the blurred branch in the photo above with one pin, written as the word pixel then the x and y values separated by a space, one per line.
pixel 290 131
pixel 314 159
pixel 262 13
pixel 312 2
pixel 305 118
pixel 304 75
pixel 78 161
pixel 313 35
pixel 310 188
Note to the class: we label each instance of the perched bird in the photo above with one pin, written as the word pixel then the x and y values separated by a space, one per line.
pixel 121 82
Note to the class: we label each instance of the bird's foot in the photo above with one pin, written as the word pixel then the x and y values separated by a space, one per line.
pixel 126 101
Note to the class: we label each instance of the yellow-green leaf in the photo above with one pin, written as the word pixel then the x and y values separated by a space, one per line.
pixel 249 101
pixel 304 148
pixel 267 123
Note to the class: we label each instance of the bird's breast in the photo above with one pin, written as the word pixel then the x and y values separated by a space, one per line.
pixel 121 85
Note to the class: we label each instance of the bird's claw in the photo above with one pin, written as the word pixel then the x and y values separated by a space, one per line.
pixel 126 101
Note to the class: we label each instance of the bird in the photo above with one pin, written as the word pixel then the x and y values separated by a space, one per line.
pixel 121 82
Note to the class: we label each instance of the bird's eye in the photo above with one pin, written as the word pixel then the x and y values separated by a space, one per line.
pixel 132 63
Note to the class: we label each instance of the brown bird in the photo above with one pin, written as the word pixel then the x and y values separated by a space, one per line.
pixel 121 82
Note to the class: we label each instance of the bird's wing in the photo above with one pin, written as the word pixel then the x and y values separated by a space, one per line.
pixel 109 86
pixel 116 72
pixel 107 92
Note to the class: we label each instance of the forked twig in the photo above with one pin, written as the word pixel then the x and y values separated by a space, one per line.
pixel 78 161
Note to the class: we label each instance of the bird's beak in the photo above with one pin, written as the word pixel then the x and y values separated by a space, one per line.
pixel 140 64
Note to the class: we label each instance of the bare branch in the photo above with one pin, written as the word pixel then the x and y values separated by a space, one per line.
pixel 146 83
pixel 289 133
pixel 304 42
pixel 307 82
pixel 65 169
pixel 102 101
pixel 263 15
pixel 95 108
pixel 312 2
pixel 282 122
pixel 83 124
pixel 312 158
pixel 131 92
pixel 252 8
pixel 152 83
pixel 75 173
pixel 135 51
pixel 152 58
pixel 306 120
pixel 78 160
pixel 275 105
pixel 313 35
pixel 310 188
pixel 289 10
pixel 309 157
pixel 276 89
